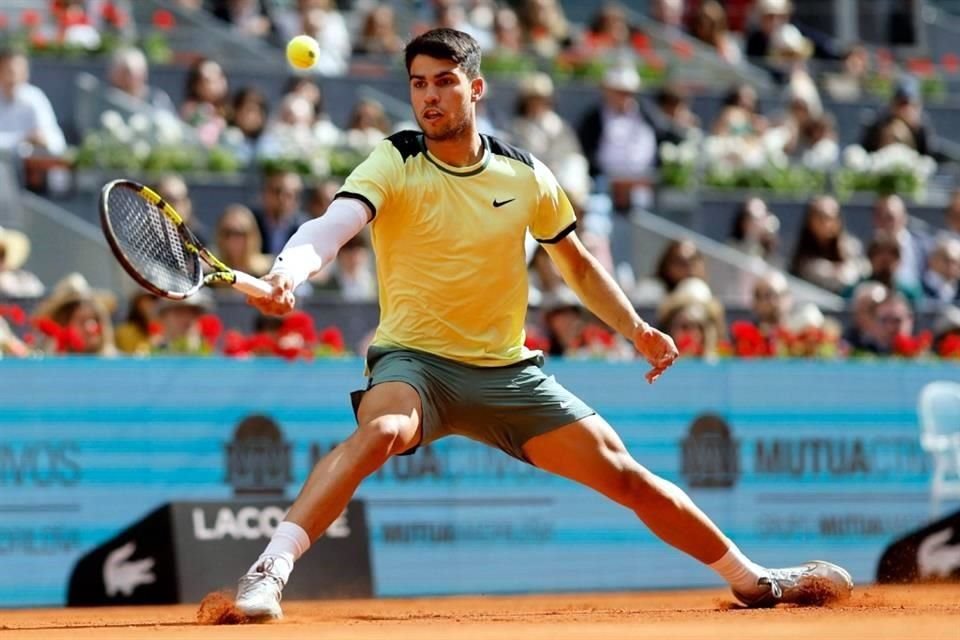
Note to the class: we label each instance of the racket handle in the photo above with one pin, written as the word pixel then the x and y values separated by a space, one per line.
pixel 252 286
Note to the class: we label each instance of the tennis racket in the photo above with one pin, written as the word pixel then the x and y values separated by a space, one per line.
pixel 152 243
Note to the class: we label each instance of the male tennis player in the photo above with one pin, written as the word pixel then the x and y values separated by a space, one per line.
pixel 449 210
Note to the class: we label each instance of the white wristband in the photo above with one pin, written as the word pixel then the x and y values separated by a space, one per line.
pixel 317 241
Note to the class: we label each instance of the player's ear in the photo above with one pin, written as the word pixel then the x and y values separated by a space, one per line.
pixel 478 87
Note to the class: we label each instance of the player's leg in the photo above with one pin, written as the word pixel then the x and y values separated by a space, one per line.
pixel 389 419
pixel 590 452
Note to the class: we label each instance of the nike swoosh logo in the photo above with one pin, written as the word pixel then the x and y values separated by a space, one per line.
pixel 497 204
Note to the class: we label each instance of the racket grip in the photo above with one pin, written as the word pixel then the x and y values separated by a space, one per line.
pixel 251 286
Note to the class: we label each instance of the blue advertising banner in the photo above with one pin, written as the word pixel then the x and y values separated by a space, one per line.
pixel 794 460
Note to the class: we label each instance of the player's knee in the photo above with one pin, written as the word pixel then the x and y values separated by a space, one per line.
pixel 380 435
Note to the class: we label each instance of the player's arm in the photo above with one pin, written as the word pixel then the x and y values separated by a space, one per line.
pixel 312 247
pixel 604 297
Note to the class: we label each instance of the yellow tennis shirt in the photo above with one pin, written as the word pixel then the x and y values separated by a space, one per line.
pixel 449 243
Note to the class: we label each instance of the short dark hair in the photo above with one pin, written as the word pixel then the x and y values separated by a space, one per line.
pixel 447 44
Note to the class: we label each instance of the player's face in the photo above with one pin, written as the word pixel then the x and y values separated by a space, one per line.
pixel 442 97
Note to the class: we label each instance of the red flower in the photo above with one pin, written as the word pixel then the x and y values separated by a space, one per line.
pixel 910 346
pixel 210 327
pixel 234 344
pixel 950 346
pixel 70 341
pixel 48 327
pixel 164 20
pixel 536 342
pixel 594 336
pixel 31 18
pixel 38 40
pixel 921 66
pixel 154 328
pixel 73 16
pixel 748 340
pixel 113 15
pixel 30 339
pixel 261 344
pixel 4 21
pixel 688 344
pixel 333 338
pixel 16 314
pixel 300 322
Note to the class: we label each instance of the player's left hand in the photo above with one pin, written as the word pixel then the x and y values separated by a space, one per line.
pixel 658 349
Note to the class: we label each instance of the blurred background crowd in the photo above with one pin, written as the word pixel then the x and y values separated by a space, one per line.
pixel 765 178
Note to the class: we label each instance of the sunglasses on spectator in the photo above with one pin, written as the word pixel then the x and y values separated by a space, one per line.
pixel 234 231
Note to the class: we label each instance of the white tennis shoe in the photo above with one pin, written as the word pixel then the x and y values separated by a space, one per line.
pixel 814 583
pixel 258 595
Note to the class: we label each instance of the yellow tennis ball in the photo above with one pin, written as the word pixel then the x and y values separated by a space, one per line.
pixel 302 52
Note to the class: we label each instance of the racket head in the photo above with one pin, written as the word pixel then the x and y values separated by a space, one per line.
pixel 149 239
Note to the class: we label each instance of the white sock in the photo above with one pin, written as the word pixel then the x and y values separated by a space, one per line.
pixel 288 543
pixel 739 571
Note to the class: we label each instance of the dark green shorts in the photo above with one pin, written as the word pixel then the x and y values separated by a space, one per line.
pixel 500 406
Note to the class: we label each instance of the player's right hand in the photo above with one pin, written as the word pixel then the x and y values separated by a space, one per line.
pixel 281 302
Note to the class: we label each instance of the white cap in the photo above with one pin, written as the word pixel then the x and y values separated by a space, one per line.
pixel 623 78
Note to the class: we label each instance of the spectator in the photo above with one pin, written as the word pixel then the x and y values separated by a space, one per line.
pixel 669 13
pixel 249 111
pixel 321 20
pixel 546 27
pixel 906 108
pixel 320 197
pixel 894 319
pixel 173 189
pixel 618 140
pixel 739 116
pixel 756 231
pixel 280 215
pixel 368 125
pixel 946 326
pixel 571 331
pixel 710 27
pixel 692 317
pixel 379 32
pixel 81 318
pixel 941 281
pixel 863 334
pixel 450 14
pixel 611 33
pixel 507 33
pixel 26 115
pixel 16 282
pixel 772 302
pixel 239 243
pixel 890 215
pixel 355 276
pixel 129 74
pixel 826 254
pixel 951 217
pixel 773 15
pixel 136 334
pixel 207 93
pixel 681 259
pixel 324 131
pixel 541 131
pixel 883 254
pixel 248 17
pixel 545 278
pixel 290 133
pixel 673 120
pixel 180 331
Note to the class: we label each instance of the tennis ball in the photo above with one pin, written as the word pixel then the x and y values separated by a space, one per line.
pixel 302 52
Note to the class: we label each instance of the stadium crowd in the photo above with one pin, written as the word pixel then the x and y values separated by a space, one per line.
pixel 608 162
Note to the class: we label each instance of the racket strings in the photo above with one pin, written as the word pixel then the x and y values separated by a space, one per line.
pixel 151 242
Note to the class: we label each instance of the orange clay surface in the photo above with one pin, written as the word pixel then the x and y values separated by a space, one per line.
pixel 911 612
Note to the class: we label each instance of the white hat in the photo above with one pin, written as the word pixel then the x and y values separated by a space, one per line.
pixel 16 246
pixel 537 84
pixel 788 40
pixel 622 78
pixel 73 288
pixel 775 7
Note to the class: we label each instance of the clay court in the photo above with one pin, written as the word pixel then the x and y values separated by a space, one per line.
pixel 877 612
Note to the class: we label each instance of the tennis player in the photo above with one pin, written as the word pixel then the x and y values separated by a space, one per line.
pixel 449 210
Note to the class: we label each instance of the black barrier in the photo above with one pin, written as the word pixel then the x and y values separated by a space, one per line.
pixel 930 554
pixel 184 550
